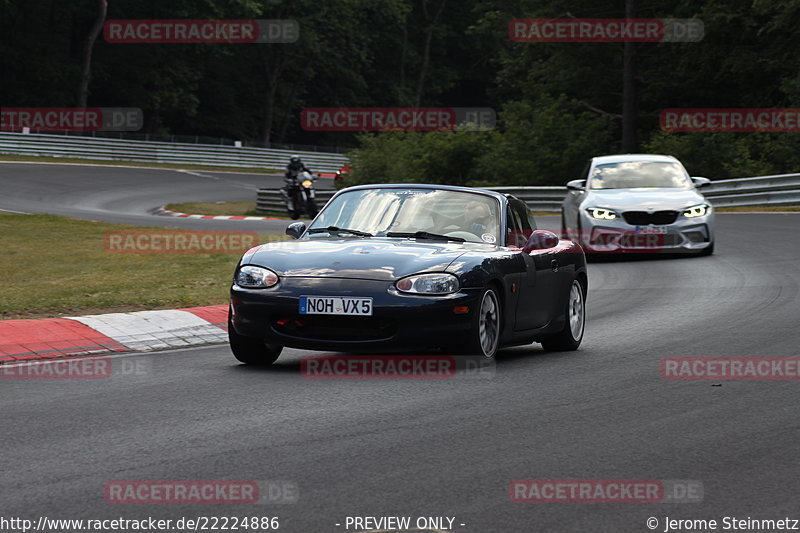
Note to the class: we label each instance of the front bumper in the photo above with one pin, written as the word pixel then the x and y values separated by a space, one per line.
pixel 398 321
pixel 685 235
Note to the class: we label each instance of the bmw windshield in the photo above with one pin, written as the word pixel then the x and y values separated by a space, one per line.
pixel 394 212
pixel 639 174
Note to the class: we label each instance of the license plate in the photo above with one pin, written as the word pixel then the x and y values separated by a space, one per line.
pixel 653 230
pixel 658 230
pixel 336 305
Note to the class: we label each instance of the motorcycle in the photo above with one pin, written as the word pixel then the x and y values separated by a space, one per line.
pixel 299 195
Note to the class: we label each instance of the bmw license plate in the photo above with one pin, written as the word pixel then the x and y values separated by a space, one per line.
pixel 336 305
pixel 651 230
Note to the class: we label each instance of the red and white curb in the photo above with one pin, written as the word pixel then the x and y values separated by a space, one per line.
pixel 46 338
pixel 161 211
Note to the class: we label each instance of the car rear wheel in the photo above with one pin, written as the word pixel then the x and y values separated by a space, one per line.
pixel 570 337
pixel 252 350
pixel 485 335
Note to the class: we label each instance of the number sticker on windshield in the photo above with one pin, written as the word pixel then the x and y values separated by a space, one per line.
pixel 488 237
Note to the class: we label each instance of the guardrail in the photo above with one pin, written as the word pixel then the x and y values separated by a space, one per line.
pixel 783 189
pixel 161 152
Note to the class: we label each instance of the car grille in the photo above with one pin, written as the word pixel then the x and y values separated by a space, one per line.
pixel 336 328
pixel 643 218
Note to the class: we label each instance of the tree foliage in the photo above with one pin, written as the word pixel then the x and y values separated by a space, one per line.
pixel 558 103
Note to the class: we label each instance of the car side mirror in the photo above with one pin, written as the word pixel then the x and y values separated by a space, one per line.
pixel 295 229
pixel 701 182
pixel 576 185
pixel 541 239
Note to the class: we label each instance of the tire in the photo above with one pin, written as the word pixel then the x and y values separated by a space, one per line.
pixel 311 208
pixel 252 350
pixel 569 338
pixel 709 250
pixel 563 226
pixel 297 206
pixel 484 339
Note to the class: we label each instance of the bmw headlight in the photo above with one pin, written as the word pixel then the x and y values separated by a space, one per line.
pixel 438 283
pixel 697 211
pixel 602 214
pixel 255 277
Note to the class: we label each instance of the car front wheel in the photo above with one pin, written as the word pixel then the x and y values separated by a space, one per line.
pixel 570 337
pixel 708 250
pixel 485 335
pixel 252 350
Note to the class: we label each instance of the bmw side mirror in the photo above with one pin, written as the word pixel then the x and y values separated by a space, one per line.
pixel 576 185
pixel 541 239
pixel 701 182
pixel 295 229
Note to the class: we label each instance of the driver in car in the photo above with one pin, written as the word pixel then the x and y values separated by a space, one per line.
pixel 477 218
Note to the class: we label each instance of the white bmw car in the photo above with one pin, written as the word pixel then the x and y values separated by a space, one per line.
pixel 638 203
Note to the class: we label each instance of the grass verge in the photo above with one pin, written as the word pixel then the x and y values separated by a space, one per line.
pixel 173 166
pixel 58 266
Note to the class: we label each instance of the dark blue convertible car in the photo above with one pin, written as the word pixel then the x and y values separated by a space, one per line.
pixel 402 267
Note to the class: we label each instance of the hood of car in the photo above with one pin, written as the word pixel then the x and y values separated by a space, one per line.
pixel 643 199
pixel 358 258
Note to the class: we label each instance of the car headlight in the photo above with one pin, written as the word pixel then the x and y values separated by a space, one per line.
pixel 602 214
pixel 696 211
pixel 255 277
pixel 439 283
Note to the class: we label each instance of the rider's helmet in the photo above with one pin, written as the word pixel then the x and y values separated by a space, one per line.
pixel 294 160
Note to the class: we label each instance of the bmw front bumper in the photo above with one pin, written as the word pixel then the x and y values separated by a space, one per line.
pixel 684 235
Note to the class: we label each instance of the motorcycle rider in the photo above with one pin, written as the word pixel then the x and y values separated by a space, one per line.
pixel 291 190
pixel 295 167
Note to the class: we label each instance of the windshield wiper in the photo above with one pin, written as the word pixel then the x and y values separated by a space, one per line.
pixel 334 229
pixel 424 235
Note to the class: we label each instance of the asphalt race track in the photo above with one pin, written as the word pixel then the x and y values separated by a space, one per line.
pixel 127 194
pixel 440 447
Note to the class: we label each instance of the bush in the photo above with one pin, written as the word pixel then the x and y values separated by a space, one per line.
pixel 417 157
pixel 730 155
pixel 547 143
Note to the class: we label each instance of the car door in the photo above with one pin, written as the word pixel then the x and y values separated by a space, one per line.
pixel 540 283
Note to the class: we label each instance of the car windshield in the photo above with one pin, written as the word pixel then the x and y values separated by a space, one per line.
pixel 394 212
pixel 639 174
